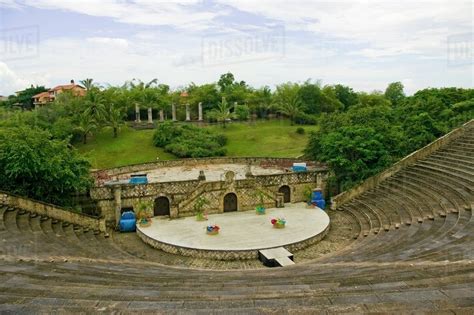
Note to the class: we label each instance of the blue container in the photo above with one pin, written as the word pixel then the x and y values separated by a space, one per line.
pixel 138 179
pixel 297 168
pixel 127 222
pixel 317 198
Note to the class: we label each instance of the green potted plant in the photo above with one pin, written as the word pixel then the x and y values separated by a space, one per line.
pixel 198 208
pixel 143 214
pixel 260 208
pixel 307 193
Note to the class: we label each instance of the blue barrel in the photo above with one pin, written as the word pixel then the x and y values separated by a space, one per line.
pixel 127 222
pixel 318 199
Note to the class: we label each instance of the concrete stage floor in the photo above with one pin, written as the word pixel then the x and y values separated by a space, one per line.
pixel 241 230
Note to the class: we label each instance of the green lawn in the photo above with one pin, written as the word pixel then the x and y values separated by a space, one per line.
pixel 263 138
pixel 130 147
pixel 276 138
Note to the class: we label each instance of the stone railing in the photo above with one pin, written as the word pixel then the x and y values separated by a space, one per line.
pixel 410 159
pixel 52 211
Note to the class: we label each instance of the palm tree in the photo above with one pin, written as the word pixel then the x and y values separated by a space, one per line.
pixel 141 95
pixel 94 102
pixel 288 100
pixel 222 113
pixel 114 118
pixel 86 124
pixel 87 83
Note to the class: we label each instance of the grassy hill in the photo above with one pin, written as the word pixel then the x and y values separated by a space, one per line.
pixel 275 138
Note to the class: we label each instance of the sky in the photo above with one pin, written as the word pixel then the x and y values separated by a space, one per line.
pixel 363 44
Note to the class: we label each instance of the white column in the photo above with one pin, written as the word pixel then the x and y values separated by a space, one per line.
pixel 162 117
pixel 188 116
pixel 200 111
pixel 150 116
pixel 173 111
pixel 137 113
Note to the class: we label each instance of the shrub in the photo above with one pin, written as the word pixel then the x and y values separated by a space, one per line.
pixel 242 112
pixel 305 119
pixel 189 141
pixel 300 130
pixel 34 164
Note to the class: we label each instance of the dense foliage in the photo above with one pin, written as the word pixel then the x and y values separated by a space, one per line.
pixel 382 128
pixel 189 141
pixel 34 164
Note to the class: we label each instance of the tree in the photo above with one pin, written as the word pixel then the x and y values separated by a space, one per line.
pixel 311 97
pixel 94 105
pixel 222 113
pixel 35 165
pixel 86 124
pixel 288 100
pixel 24 98
pixel 346 95
pixel 353 153
pixel 394 93
pixel 88 83
pixel 225 81
pixel 114 116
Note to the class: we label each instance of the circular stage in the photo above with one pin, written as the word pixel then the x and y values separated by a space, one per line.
pixel 242 234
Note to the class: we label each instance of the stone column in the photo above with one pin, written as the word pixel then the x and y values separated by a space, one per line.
pixel 150 115
pixel 117 203
pixel 173 111
pixel 188 116
pixel 200 111
pixel 137 113
pixel 162 116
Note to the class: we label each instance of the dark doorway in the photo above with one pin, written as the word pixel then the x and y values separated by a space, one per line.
pixel 230 202
pixel 162 206
pixel 285 190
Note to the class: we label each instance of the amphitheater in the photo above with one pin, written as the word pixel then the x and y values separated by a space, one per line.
pixel 400 242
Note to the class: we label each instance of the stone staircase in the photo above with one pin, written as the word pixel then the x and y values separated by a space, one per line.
pixel 405 245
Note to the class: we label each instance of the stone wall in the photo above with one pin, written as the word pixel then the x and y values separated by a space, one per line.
pixel 182 195
pixel 52 211
pixel 410 159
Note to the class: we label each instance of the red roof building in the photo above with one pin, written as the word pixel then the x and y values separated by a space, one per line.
pixel 44 98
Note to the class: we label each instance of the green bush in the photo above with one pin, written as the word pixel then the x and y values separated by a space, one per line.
pixel 305 119
pixel 300 130
pixel 189 141
pixel 34 164
pixel 242 112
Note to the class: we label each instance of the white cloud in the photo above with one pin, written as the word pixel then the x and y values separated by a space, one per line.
pixel 118 42
pixel 179 14
pixel 10 81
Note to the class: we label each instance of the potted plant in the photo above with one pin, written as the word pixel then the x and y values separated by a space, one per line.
pixel 278 223
pixel 260 208
pixel 212 229
pixel 307 193
pixel 198 208
pixel 143 215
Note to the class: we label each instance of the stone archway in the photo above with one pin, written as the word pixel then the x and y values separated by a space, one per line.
pixel 285 190
pixel 162 206
pixel 230 202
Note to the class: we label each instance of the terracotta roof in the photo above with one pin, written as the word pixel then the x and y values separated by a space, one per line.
pixel 66 87
pixel 42 94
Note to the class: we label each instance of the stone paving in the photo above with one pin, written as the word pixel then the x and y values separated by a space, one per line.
pixel 213 172
pixel 241 231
